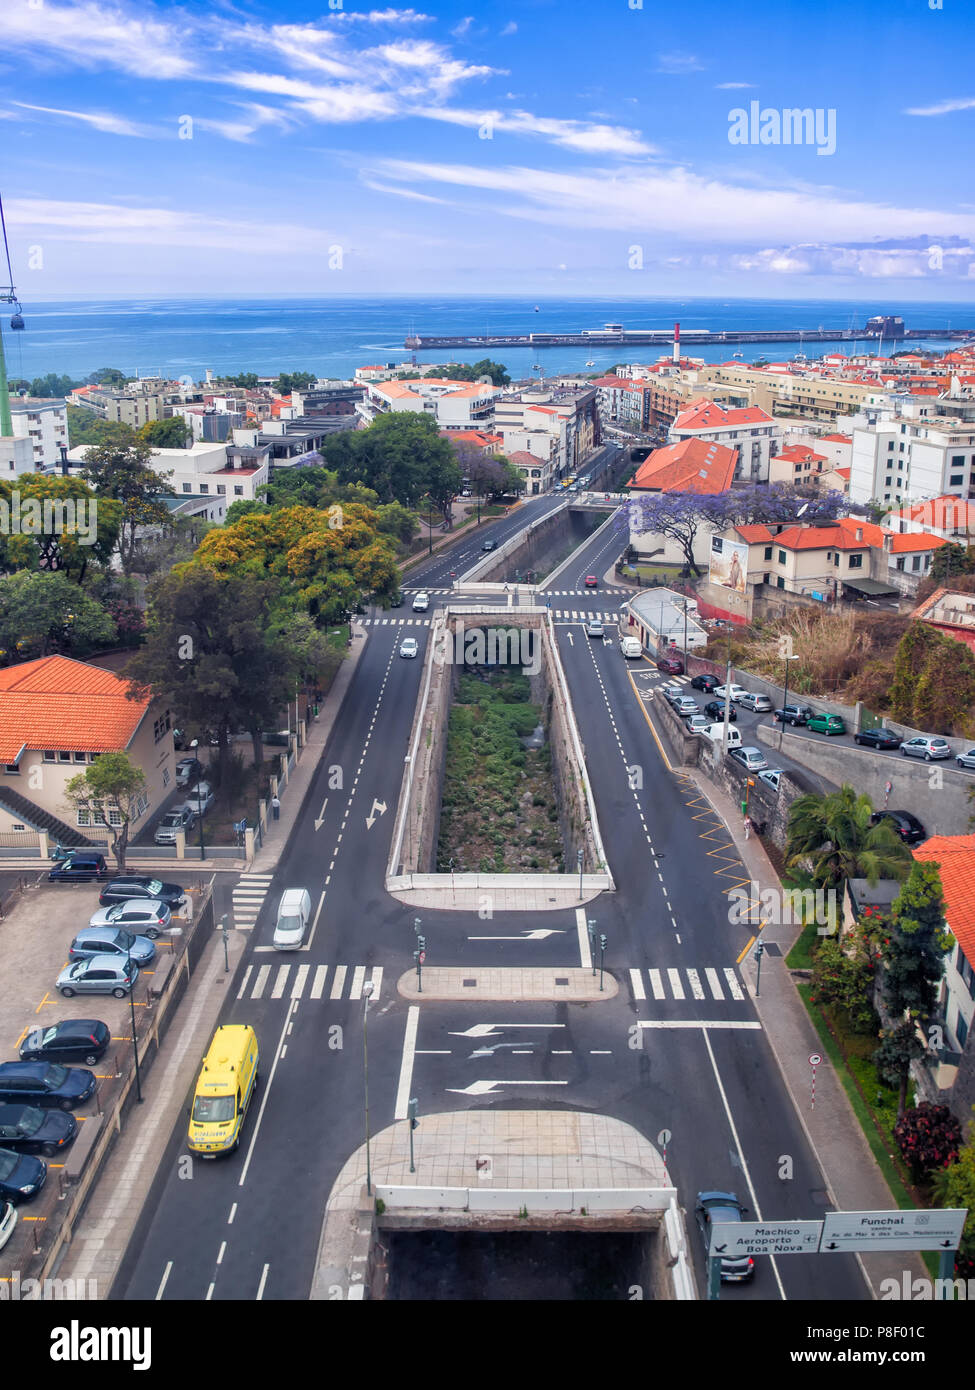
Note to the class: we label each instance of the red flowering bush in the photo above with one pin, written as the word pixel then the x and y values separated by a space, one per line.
pixel 929 1137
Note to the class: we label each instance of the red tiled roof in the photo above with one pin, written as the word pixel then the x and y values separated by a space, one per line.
pixel 58 703
pixel 843 472
pixel 955 857
pixel 839 438
pixel 945 512
pixel 754 534
pixel 905 544
pixel 798 453
pixel 705 414
pixel 693 465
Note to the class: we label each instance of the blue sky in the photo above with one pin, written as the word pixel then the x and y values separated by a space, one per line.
pixel 539 146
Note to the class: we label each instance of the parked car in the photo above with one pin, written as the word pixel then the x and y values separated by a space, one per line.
pixel 111 941
pixel 715 732
pixel 908 827
pixel 199 799
pixel 45 1083
pixel 794 714
pixel 926 747
pixel 761 704
pixel 716 710
pixel 705 683
pixel 828 724
pixel 26 1129
pixel 409 647
pixel 421 602
pixel 127 887
pixel 143 916
pixel 698 723
pixel 279 738
pixel 877 738
pixel 631 646
pixel 188 770
pixel 966 759
pixel 591 581
pixel 79 868
pixel 751 758
pixel 673 692
pixel 672 665
pixel 736 691
pixel 715 1208
pixel 396 600
pixel 685 706
pixel 8 1220
pixel 771 777
pixel 21 1175
pixel 182 818
pixel 594 628
pixel 72 1040
pixel 488 545
pixel 98 975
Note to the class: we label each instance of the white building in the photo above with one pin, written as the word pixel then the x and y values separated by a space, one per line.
pixel 749 429
pixel 918 447
pixel 45 424
pixel 455 405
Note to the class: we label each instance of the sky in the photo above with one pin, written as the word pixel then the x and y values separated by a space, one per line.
pixel 628 147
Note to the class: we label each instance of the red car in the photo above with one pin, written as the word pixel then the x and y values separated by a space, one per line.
pixel 671 665
pixel 592 582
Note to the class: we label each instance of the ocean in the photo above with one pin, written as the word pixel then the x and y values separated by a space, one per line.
pixel 332 337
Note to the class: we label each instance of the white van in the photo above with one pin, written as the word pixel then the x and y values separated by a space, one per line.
pixel 294 911
pixel 631 646
pixel 715 732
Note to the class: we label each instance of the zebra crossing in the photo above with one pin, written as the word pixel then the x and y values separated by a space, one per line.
pixel 570 614
pixel 672 983
pixel 248 899
pixel 311 981
pixel 395 622
pixel 541 593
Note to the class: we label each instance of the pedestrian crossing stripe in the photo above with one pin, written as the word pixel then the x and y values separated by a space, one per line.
pixel 311 981
pixel 671 983
pixel 395 622
pixel 552 593
pixel 247 900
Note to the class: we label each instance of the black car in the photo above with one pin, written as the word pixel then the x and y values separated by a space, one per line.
pixel 396 600
pixel 877 738
pixel 716 710
pixel 71 1040
pixel 79 868
pixel 45 1083
pixel 489 545
pixel 794 714
pixel 28 1130
pixel 705 683
pixel 721 1208
pixel 908 827
pixel 21 1176
pixel 128 886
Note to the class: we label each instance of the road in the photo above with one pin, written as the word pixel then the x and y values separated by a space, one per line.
pixel 247 1227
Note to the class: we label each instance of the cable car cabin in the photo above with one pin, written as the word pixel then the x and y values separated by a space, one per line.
pixel 17 321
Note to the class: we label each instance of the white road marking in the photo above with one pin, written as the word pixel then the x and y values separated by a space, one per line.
pixel 220 1253
pixel 338 983
pixel 233 1213
pixel 585 955
pixel 712 979
pixel 676 987
pixel 260 982
pixel 163 1281
pixel 318 983
pixel 377 982
pixel 697 989
pixel 637 982
pixel 733 985
pixel 358 979
pixel 705 1023
pixel 279 983
pixel 301 975
pixel 657 984
pixel 243 983
pixel 406 1065
pixel 264 1099
pixel 260 1287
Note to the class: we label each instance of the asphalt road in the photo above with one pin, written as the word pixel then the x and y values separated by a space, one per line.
pixel 248 1226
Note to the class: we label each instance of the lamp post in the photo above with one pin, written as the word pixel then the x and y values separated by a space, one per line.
pixel 429 524
pixel 785 699
pixel 602 953
pixel 135 1044
pixel 367 997
pixel 579 863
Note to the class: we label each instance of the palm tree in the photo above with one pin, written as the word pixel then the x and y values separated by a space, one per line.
pixel 831 837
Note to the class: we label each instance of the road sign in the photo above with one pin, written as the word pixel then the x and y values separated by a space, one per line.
pixel 914 1229
pixel 814 1059
pixel 735 1239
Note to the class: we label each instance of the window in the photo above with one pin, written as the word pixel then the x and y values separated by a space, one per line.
pixel 957 460
pixel 187 487
pixel 899 565
pixel 890 446
pixel 238 490
pixel 781 557
pixel 81 757
pixel 916 563
pixel 49 755
pixel 856 562
pixel 12 768
pixel 165 777
pixel 63 757
pixel 221 490
pixel 966 972
pixel 161 727
pixel 768 552
pixel 961 1031
pixel 204 487
pixel 957 479
pixel 780 582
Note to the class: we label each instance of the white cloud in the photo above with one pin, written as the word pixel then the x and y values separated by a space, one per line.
pixel 98 120
pixel 678 62
pixel 732 86
pixel 583 136
pixel 381 17
pixel 460 30
pixel 403 192
pixel 90 35
pixel 510 28
pixel 942 108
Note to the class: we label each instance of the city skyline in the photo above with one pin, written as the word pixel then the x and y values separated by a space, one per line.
pixel 542 148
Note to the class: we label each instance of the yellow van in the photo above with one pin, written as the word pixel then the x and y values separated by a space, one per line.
pixel 224 1089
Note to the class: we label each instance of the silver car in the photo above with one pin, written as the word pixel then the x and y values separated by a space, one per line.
pixel 98 975
pixel 408 647
pixel 761 704
pixel 966 759
pixel 180 818
pixel 111 941
pixel 594 628
pixel 143 916
pixel 926 747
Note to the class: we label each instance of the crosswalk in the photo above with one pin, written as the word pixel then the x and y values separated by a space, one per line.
pixel 560 614
pixel 572 614
pixel 540 593
pixel 706 982
pixel 248 899
pixel 395 622
pixel 312 981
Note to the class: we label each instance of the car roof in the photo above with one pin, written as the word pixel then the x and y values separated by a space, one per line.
pixel 83 1027
pixel 99 962
pixel 28 1069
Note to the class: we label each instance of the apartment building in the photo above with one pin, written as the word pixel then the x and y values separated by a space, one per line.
pixel 559 426
pixel 44 424
pixel 799 466
pixel 919 447
pixel 693 465
pixel 455 405
pixel 749 430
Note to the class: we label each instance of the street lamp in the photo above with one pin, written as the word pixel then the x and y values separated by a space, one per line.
pixel 135 1044
pixel 785 699
pixel 367 998
pixel 579 863
pixel 591 928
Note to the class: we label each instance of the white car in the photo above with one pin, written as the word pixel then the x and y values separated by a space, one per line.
pixel 771 777
pixel 409 646
pixel 294 911
pixel 421 603
pixel 199 799
pixel 737 691
pixel 8 1220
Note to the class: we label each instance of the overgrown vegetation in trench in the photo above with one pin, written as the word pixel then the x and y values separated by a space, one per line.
pixel 499 812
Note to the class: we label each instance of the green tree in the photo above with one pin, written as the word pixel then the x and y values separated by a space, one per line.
pixel 53 385
pixel 899 1047
pixel 934 681
pixel 113 783
pixel 832 837
pixel 62 525
pixel 41 613
pixel 246 381
pixel 107 376
pixel 401 456
pixel 171 433
pixel 395 520
pixel 913 951
pixel 471 371
pixel 124 475
pixel 844 980
pixel 950 561
pixel 85 427
pixel 954 1186
pixel 244 506
pixel 295 381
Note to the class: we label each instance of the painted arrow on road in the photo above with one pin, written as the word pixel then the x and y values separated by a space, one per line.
pixel 485 1030
pixel 320 818
pixel 481 1088
pixel 538 934
pixel 372 817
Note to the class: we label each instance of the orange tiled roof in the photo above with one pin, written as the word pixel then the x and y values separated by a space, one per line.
pixel 901 544
pixel 754 534
pixel 839 438
pixel 798 453
pixel 705 414
pixel 58 703
pixel 945 511
pixel 693 465
pixel 955 857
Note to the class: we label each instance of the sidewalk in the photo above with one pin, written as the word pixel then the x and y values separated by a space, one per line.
pixel 854 1183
